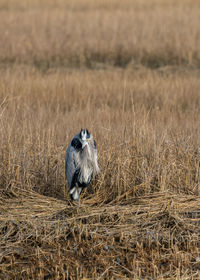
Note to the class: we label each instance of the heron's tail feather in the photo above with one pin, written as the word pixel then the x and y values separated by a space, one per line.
pixel 75 193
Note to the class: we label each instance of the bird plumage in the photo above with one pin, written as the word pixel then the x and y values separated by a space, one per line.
pixel 80 163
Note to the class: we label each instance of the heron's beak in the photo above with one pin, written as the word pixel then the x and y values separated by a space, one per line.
pixel 84 143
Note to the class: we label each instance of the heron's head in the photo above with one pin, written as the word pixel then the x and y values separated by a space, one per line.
pixel 85 137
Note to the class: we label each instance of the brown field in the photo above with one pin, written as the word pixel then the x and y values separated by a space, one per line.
pixel 129 72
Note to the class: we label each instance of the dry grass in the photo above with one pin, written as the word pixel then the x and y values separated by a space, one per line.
pixel 92 33
pixel 130 74
pixel 154 236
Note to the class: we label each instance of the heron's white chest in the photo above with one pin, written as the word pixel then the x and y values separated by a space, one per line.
pixel 85 172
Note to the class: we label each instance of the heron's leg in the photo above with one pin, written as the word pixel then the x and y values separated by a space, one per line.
pixel 79 201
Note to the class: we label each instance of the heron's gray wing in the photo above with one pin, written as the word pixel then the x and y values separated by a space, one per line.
pixel 71 163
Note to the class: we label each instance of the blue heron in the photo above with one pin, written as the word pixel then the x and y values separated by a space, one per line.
pixel 80 163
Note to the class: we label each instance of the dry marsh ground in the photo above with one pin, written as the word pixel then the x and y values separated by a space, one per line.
pixel 130 74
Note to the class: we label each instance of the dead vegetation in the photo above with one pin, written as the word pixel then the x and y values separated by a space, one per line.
pixel 99 34
pixel 130 74
pixel 156 236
